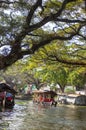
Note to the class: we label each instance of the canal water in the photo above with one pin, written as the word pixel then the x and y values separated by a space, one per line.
pixel 28 116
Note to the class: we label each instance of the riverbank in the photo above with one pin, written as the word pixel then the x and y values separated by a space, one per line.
pixel 23 97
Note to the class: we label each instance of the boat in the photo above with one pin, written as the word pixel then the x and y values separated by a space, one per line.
pixel 45 98
pixel 7 95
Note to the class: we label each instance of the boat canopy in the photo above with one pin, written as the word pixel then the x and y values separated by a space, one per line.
pixel 45 92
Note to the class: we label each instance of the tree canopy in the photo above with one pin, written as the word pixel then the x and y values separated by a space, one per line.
pixel 45 67
pixel 27 25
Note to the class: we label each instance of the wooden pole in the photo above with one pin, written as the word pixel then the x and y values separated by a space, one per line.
pixel 4 100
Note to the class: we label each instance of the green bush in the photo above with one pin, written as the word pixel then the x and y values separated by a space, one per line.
pixel 69 90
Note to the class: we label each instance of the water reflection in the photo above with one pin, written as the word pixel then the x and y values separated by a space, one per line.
pixel 60 118
pixel 28 116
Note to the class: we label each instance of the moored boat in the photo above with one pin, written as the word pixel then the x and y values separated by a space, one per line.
pixel 7 95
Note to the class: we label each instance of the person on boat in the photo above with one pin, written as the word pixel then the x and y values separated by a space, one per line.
pixel 41 99
pixel 53 101
pixel 9 99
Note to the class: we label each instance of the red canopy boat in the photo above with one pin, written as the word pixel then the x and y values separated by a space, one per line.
pixel 44 97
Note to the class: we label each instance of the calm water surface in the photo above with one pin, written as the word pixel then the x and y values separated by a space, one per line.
pixel 27 116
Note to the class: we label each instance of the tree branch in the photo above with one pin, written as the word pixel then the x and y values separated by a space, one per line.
pixel 28 28
pixel 32 10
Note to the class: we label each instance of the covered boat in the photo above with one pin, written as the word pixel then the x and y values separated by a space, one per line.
pixel 7 95
pixel 44 97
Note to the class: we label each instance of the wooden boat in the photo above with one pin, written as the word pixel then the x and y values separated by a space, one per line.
pixel 7 95
pixel 44 97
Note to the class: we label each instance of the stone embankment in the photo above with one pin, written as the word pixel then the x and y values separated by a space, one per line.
pixel 72 99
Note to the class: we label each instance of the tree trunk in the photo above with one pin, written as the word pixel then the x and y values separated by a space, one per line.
pixel 62 89
pixel 85 89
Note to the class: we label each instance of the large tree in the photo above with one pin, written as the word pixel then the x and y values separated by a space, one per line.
pixel 27 25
